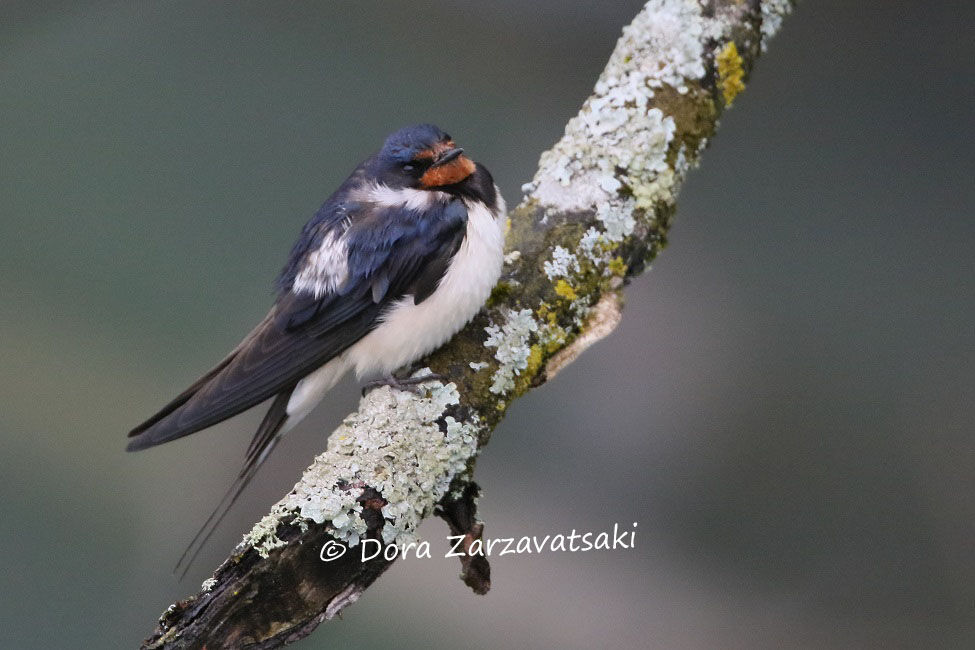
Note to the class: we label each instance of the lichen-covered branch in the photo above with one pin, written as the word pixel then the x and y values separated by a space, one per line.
pixel 595 214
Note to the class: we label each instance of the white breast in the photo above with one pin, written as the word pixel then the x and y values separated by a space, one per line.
pixel 409 331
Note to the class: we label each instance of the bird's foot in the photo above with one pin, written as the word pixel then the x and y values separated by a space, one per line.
pixel 409 384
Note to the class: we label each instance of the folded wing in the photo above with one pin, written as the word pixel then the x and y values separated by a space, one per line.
pixel 390 252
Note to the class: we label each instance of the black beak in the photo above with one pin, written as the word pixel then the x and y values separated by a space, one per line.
pixel 447 157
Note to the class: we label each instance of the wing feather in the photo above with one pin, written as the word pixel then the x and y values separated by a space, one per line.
pixel 391 253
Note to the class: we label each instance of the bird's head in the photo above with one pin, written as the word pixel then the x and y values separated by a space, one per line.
pixel 421 157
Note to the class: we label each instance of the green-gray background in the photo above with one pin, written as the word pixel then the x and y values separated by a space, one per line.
pixel 786 408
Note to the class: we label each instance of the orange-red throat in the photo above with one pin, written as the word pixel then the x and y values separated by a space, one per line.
pixel 455 168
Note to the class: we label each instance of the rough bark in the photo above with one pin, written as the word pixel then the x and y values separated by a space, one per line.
pixel 595 214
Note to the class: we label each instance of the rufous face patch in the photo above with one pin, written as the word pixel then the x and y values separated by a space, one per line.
pixel 453 172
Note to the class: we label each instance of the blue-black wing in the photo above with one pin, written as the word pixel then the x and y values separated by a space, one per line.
pixel 392 252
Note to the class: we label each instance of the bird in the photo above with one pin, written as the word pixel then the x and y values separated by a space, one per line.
pixel 396 261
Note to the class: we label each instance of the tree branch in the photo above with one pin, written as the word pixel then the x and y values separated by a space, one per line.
pixel 595 214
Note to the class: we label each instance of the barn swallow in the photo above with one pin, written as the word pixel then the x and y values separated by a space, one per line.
pixel 392 265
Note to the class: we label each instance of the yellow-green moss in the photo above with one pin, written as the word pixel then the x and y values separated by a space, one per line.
pixel 557 338
pixel 523 383
pixel 694 113
pixel 617 266
pixel 500 293
pixel 565 290
pixel 730 72
pixel 547 314
pixel 544 311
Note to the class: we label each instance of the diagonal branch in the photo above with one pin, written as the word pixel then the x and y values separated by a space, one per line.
pixel 596 213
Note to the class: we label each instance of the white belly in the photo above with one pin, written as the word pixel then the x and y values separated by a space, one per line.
pixel 409 331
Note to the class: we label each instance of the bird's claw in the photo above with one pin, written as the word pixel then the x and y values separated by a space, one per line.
pixel 409 384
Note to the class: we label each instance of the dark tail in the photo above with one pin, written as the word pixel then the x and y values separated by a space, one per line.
pixel 264 440
pixel 143 440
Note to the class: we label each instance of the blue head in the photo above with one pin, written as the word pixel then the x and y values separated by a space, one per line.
pixel 422 157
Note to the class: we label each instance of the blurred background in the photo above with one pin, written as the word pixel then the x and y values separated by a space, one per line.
pixel 786 409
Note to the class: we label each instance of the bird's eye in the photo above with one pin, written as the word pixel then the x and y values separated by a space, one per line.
pixel 407 167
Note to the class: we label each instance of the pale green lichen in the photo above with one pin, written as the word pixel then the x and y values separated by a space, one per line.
pixel 394 444
pixel 592 245
pixel 619 223
pixel 682 163
pixel 562 263
pixel 512 350
pixel 580 311
pixel 618 140
pixel 626 153
pixel 551 337
pixel 263 537
pixel 773 11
